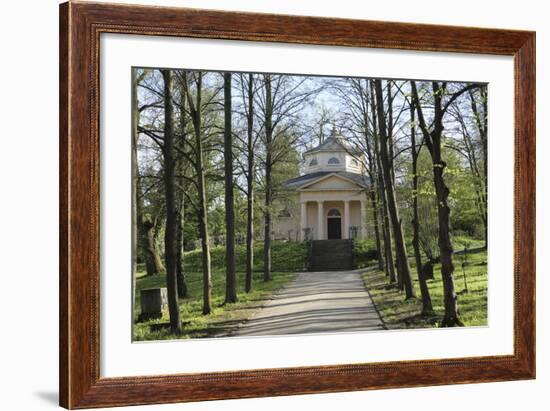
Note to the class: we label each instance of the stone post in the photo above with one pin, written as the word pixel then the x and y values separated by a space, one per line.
pixel 320 221
pixel 346 220
pixel 303 220
pixel 153 302
pixel 363 218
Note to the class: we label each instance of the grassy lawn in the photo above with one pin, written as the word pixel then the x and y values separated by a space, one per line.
pixel 398 313
pixel 287 258
pixel 364 251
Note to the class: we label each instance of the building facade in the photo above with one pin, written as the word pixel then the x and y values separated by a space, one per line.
pixel 329 199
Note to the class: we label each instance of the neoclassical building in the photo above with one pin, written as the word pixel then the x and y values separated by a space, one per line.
pixel 330 197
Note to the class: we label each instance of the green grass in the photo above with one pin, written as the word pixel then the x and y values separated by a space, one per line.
pixel 287 258
pixel 223 318
pixel 461 242
pixel 364 252
pixel 399 313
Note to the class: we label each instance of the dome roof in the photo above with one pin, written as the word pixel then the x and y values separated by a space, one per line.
pixel 334 143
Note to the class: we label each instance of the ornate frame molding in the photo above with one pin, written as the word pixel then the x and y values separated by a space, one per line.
pixel 80 27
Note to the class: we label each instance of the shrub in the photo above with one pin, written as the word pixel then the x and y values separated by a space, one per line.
pixel 364 252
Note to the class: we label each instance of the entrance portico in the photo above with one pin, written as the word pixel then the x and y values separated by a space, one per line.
pixel 332 219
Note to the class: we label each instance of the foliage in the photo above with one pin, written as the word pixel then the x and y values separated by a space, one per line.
pixel 399 313
pixel 223 319
pixel 462 241
pixel 465 219
pixel 364 252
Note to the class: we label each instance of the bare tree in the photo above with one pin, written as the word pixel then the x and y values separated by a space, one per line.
pixel 146 222
pixel 282 99
pixel 354 95
pixel 195 109
pixel 171 212
pixel 433 135
pixel 427 307
pixel 403 267
pixel 480 115
pixel 231 275
pixel 388 249
pixel 473 147
pixel 268 182
pixel 182 169
pixel 479 108
pixel 248 92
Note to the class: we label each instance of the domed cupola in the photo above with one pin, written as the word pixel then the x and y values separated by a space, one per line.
pixel 332 155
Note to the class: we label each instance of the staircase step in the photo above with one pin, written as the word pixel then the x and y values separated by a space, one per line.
pixel 331 255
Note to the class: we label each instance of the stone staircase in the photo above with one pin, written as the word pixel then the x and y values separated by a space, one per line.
pixel 331 255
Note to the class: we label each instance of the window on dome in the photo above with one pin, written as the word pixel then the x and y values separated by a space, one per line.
pixel 313 162
pixel 355 163
pixel 333 160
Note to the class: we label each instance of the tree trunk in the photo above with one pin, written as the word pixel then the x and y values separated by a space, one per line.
pixel 379 253
pixel 372 194
pixel 267 225
pixel 153 262
pixel 390 131
pixel 445 247
pixel 250 188
pixel 205 247
pixel 401 252
pixel 180 269
pixel 202 207
pixel 372 170
pixel 171 211
pixel 182 282
pixel 231 275
pixel 481 121
pixel 388 247
pixel 433 142
pixel 145 230
pixel 268 180
pixel 388 251
pixel 390 146
pixel 424 291
pixel 479 181
pixel 451 317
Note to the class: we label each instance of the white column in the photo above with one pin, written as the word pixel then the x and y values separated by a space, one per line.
pixel 346 219
pixel 320 221
pixel 363 218
pixel 303 220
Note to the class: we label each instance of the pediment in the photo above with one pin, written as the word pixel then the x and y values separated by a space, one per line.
pixel 332 182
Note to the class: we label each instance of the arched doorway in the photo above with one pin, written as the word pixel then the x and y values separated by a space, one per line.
pixel 334 224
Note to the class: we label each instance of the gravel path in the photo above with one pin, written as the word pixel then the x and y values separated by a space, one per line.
pixel 316 302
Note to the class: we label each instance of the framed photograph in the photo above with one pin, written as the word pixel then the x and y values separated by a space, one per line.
pixel 259 205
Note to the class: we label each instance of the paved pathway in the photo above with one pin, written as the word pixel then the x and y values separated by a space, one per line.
pixel 333 301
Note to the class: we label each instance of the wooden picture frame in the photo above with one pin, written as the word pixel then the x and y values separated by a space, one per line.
pixel 80 27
